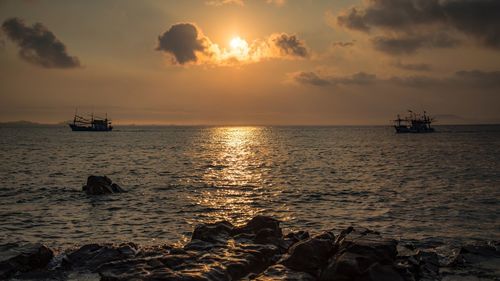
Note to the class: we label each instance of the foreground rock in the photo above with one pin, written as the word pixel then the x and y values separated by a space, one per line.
pixel 257 250
pixel 98 185
pixel 15 258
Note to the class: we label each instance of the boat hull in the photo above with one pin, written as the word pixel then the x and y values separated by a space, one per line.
pixel 89 128
pixel 406 130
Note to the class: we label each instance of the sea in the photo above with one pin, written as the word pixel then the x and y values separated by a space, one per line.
pixel 439 188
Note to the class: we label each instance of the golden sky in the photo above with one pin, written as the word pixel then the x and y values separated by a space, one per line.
pixel 242 62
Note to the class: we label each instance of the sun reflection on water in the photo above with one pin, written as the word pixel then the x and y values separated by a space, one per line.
pixel 234 178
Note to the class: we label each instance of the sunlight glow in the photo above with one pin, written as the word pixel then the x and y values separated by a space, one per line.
pixel 239 48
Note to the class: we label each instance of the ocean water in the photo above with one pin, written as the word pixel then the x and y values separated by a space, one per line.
pixel 442 187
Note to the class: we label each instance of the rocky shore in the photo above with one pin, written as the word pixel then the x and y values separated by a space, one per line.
pixel 258 250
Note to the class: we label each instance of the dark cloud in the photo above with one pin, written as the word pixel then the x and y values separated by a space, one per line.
pixel 412 66
pixel 478 19
pixel 182 41
pixel 343 44
pixel 415 81
pixel 407 44
pixel 478 78
pixel 360 78
pixel 395 45
pixel 38 45
pixel 310 78
pixel 289 45
pixel 472 79
pixel 353 19
pixel 315 79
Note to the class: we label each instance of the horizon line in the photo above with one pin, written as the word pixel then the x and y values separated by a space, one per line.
pixel 34 124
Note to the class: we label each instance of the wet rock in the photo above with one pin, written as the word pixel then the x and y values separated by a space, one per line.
pixel 475 253
pixel 215 232
pixel 224 262
pixel 387 272
pixel 428 265
pixel 98 185
pixel 138 269
pixel 93 255
pixel 29 257
pixel 310 255
pixel 259 223
pixel 480 261
pixel 362 255
pixel 292 238
pixel 255 251
pixel 281 272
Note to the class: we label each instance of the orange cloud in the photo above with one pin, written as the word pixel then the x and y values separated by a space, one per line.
pixel 185 43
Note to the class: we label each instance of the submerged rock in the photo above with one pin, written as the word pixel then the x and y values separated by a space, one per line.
pixel 98 185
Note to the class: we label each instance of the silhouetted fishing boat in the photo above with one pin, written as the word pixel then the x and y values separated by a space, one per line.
pixel 91 124
pixel 414 123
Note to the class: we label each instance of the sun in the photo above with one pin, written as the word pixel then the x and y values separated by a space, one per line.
pixel 239 48
pixel 238 43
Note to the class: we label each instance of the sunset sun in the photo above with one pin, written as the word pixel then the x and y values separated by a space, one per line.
pixel 238 48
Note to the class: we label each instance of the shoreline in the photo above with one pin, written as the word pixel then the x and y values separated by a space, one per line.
pixel 257 250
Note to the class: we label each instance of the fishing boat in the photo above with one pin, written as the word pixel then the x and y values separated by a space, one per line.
pixel 414 123
pixel 95 124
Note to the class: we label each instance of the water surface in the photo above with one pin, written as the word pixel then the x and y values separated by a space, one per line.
pixel 441 187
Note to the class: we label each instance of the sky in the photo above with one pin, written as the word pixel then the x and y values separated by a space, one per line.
pixel 250 62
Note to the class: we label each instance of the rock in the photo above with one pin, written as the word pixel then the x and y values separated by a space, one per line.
pixel 229 261
pixel 98 185
pixel 475 253
pixel 281 272
pixel 362 255
pixel 24 258
pixel 292 238
pixel 479 261
pixel 379 272
pixel 255 251
pixel 259 223
pixel 310 255
pixel 217 232
pixel 93 255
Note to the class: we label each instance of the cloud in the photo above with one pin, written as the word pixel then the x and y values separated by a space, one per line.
pixel 186 44
pixel 472 79
pixel 289 45
pixel 224 2
pixel 410 44
pixel 479 78
pixel 276 2
pixel 343 44
pixel 412 66
pixel 310 78
pixel 477 19
pixel 241 2
pixel 317 79
pixel 38 45
pixel 183 41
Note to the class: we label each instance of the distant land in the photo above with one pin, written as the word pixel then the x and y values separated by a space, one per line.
pixel 22 123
